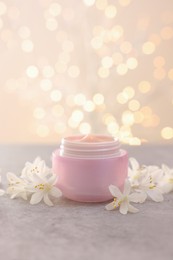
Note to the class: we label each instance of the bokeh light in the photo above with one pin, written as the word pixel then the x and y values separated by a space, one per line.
pixel 89 2
pixel 32 71
pixel 167 33
pixel 3 8
pixel 148 48
pixel 144 86
pixel 95 66
pixel 110 11
pixel 73 71
pixel 167 133
pixel 170 74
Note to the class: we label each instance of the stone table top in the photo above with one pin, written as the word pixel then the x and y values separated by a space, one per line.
pixel 83 231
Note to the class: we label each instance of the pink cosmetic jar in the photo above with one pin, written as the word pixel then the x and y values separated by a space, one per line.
pixel 87 165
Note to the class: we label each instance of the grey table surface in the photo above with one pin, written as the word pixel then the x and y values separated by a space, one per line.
pixel 72 230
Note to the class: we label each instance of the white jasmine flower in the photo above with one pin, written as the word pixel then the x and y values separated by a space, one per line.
pixel 16 186
pixel 122 200
pixel 1 191
pixel 156 175
pixel 36 181
pixel 42 188
pixel 135 168
pixel 37 167
pixel 167 183
pixel 147 181
pixel 135 171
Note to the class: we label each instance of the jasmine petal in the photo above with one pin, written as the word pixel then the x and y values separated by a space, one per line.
pixel 138 197
pixel 124 207
pixel 155 195
pixel 2 192
pixel 36 198
pixel 55 192
pixel 110 206
pixel 47 200
pixel 115 191
pixel 132 209
pixel 167 182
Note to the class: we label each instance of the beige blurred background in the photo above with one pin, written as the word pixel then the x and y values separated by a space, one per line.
pixel 82 66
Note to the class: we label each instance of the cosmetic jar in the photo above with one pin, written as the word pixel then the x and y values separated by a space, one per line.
pixel 87 165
